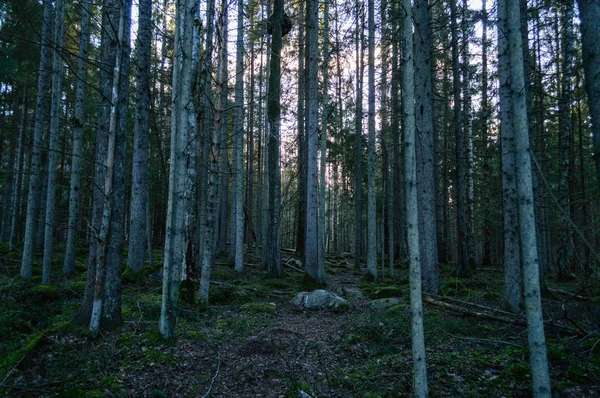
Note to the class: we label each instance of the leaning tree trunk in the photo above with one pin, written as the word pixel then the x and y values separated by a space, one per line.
pixel 78 127
pixel 174 259
pixel 531 283
pixel 412 212
pixel 36 150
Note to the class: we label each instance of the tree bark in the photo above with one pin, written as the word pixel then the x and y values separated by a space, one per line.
pixel 531 282
pixel 174 259
pixel 412 212
pixel 36 150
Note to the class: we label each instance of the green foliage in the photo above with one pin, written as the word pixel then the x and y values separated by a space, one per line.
pixel 269 308
pixel 134 277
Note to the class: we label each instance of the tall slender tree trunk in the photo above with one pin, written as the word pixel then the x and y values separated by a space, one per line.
pixel 139 174
pixel 412 212
pixel 312 255
pixel 424 149
pixel 212 219
pixel 55 111
pixel 36 150
pixel 371 200
pixel 589 14
pixel 531 283
pixel 174 259
pixel 106 302
pixel 461 188
pixel 108 46
pixel 301 233
pixel 324 126
pixel 564 115
pixel 512 246
pixel 237 237
pixel 358 143
pixel 78 128
pixel 485 155
pixel 206 118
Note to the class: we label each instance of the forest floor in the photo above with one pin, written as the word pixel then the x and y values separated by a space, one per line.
pixel 252 342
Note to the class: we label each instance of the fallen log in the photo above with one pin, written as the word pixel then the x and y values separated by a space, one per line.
pixel 549 325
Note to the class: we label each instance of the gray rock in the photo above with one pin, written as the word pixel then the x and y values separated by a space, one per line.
pixel 319 300
pixel 384 303
pixel 351 293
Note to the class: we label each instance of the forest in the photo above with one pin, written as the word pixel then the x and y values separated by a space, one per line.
pixel 269 198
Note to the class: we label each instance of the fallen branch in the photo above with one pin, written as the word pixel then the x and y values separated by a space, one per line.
pixel 212 381
pixel 290 266
pixel 571 295
pixel 478 339
pixel 498 310
pixel 491 317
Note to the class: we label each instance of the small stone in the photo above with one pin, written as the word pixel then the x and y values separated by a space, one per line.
pixel 382 304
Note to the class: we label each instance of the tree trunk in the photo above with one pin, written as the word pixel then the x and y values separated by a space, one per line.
pixel 461 188
pixel 237 237
pixel 531 282
pixel 312 254
pixel 589 13
pixel 564 115
pixel 412 212
pixel 358 155
pixel 174 260
pixel 139 174
pixel 371 200
pixel 36 151
pixel 324 126
pixel 512 247
pixel 77 152
pixel 424 150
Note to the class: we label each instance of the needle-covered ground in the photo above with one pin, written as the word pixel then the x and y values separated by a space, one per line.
pixel 252 342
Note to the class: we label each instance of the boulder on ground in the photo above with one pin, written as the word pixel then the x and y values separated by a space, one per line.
pixel 319 300
pixel 351 293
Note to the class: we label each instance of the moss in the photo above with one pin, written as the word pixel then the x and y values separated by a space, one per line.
pixel 387 292
pixel 134 277
pixel 187 291
pixel 278 283
pixel 454 287
pixel 13 359
pixel 77 287
pixel 45 292
pixel 269 308
pixel 520 372
pixel 307 283
pixel 399 308
pixel 80 267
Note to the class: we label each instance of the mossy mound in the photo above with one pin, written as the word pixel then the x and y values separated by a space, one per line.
pixel 269 308
pixel 131 276
pixel 387 292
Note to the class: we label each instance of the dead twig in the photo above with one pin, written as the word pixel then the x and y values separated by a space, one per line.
pixel 212 381
pixel 479 339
